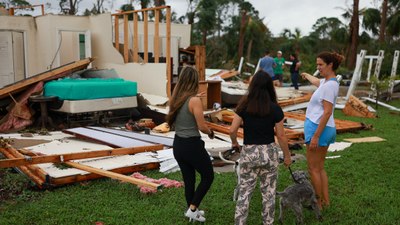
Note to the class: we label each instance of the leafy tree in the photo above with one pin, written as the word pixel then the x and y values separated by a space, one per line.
pixel 207 18
pixel 13 3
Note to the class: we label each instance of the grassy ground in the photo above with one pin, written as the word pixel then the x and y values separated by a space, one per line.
pixel 364 188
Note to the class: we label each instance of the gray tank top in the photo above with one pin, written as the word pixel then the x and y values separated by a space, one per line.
pixel 185 123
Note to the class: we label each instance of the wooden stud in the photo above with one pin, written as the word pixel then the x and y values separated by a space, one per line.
pixel 135 38
pixel 126 40
pixel 116 32
pixel 156 49
pixel 168 53
pixel 146 37
pixel 115 175
pixel 78 178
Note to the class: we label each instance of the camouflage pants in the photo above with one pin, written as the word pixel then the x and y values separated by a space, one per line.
pixel 257 161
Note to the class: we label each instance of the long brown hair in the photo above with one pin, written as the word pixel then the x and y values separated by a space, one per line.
pixel 186 87
pixel 260 94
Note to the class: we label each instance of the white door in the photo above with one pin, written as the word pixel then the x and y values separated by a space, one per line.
pixel 19 56
pixel 6 59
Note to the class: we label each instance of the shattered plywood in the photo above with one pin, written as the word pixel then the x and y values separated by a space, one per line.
pixel 341 125
pixel 355 107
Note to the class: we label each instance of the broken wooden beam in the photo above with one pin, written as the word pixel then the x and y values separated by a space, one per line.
pixel 24 169
pixel 21 161
pixel 90 176
pixel 45 76
pixel 113 175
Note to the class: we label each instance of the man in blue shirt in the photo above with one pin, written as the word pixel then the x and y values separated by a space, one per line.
pixel 267 63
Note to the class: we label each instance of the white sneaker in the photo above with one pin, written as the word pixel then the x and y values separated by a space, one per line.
pixel 201 212
pixel 196 215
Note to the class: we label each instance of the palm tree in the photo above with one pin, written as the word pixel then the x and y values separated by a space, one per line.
pixel 388 20
pixel 294 38
pixel 353 14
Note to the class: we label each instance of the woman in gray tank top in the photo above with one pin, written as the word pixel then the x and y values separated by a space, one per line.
pixel 186 115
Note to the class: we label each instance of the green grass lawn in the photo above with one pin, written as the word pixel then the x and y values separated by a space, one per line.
pixel 364 189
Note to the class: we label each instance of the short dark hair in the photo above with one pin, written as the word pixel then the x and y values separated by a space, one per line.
pixel 266 51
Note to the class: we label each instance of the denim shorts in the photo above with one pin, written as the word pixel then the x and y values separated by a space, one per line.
pixel 327 137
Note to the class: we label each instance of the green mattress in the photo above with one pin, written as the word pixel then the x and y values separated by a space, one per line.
pixel 93 88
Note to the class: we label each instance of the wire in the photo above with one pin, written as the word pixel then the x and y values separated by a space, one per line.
pixel 58 49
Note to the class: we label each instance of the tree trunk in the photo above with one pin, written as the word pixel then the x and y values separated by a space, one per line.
pixel 382 28
pixel 72 5
pixel 241 34
pixel 204 37
pixel 354 28
pixel 248 55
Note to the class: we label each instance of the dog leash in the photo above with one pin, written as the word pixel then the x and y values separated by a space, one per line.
pixel 291 173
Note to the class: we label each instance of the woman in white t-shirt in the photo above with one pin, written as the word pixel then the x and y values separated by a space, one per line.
pixel 319 127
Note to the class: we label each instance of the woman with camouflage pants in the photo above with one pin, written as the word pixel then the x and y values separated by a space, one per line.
pixel 260 114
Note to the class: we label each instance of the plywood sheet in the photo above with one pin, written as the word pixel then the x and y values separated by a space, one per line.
pixel 364 139
pixel 143 137
pixel 106 138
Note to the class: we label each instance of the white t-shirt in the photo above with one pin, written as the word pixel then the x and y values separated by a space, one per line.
pixel 328 91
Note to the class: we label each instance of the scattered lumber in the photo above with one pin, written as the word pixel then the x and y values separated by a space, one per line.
pixel 341 125
pixel 33 172
pixel 305 98
pixel 14 162
pixel 355 107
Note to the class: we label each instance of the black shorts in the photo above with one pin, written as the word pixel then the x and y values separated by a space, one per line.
pixel 278 77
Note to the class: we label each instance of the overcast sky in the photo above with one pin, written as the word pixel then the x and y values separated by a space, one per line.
pixel 277 14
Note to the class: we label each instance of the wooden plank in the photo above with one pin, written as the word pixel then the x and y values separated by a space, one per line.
pixel 146 37
pixel 116 32
pixel 305 98
pixel 73 156
pixel 113 175
pixel 341 125
pixel 45 76
pixel 90 176
pixel 126 40
pixel 141 10
pixel 156 47
pixel 224 129
pixel 36 179
pixel 135 38
pixel 168 53
pixel 364 139
pixel 226 74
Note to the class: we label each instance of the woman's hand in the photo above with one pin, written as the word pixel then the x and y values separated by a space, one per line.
pixel 314 143
pixel 287 161
pixel 236 146
pixel 304 75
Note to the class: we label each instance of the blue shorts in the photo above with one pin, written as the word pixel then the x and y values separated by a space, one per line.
pixel 327 137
